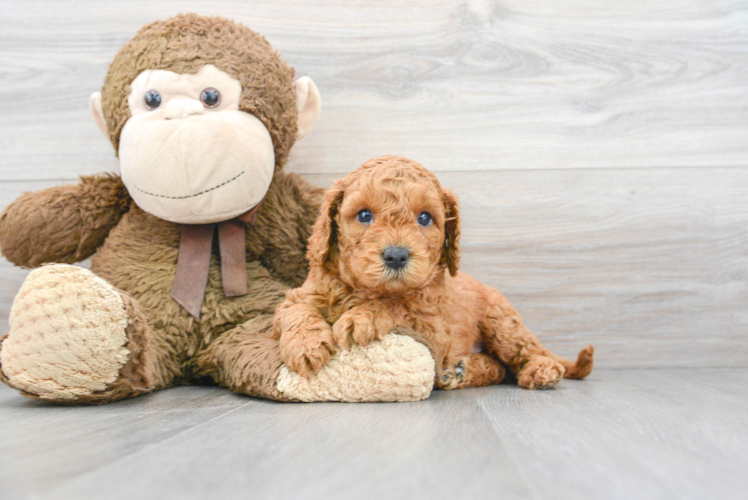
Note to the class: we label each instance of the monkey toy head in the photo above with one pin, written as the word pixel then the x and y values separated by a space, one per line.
pixel 201 112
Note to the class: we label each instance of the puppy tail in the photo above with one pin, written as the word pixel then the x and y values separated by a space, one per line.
pixel 583 365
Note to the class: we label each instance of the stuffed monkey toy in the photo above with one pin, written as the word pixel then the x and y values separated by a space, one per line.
pixel 193 246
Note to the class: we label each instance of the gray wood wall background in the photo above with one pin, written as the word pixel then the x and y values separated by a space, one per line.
pixel 599 148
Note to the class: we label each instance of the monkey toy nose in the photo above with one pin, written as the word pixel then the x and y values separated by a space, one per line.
pixel 395 257
pixel 182 108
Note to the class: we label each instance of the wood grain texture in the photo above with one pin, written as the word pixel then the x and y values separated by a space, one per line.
pixel 621 434
pixel 513 103
pixel 630 434
pixel 649 265
pixel 478 85
pixel 444 447
pixel 44 445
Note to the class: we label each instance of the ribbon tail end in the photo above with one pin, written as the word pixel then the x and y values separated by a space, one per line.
pixel 192 307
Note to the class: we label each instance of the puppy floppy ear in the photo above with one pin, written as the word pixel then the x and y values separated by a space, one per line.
pixel 323 241
pixel 451 251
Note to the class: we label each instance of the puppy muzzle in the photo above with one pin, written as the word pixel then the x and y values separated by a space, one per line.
pixel 395 258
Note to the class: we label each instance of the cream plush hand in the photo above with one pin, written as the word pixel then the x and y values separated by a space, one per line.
pixel 396 369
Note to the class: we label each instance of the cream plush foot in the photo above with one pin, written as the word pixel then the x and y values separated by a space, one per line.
pixel 395 369
pixel 67 338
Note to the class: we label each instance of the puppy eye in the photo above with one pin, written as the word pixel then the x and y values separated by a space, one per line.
pixel 364 216
pixel 152 99
pixel 210 97
pixel 424 219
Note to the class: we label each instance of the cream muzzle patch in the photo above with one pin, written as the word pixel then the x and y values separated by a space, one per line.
pixel 187 153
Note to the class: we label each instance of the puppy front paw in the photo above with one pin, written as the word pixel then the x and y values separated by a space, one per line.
pixel 540 372
pixel 357 325
pixel 306 350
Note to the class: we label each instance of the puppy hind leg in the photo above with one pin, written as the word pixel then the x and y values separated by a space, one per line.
pixel 474 370
pixel 542 372
pixel 507 337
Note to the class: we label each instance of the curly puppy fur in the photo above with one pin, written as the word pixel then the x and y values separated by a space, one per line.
pixel 351 295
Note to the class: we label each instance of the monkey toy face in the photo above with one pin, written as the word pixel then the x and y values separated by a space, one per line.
pixel 199 140
pixel 188 153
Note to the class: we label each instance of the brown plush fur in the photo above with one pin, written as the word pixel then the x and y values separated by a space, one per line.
pixel 137 252
pixel 63 224
pixel 186 43
pixel 351 296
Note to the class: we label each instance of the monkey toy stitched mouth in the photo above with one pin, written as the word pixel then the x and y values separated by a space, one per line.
pixel 192 195
pixel 384 254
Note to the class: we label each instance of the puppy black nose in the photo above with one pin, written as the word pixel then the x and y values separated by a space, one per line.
pixel 395 257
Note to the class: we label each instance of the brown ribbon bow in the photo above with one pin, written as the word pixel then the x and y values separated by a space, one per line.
pixel 193 263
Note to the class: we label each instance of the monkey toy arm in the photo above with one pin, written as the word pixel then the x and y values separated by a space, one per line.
pixel 62 224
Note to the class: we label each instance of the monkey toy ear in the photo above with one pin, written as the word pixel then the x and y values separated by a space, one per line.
pixel 308 104
pixel 94 105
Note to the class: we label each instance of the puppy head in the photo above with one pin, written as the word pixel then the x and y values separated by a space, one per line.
pixel 388 227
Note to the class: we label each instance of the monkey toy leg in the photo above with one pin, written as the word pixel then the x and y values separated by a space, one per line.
pixel 247 359
pixel 75 339
pixel 536 367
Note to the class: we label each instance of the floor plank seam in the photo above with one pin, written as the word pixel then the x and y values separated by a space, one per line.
pixel 143 450
pixel 523 473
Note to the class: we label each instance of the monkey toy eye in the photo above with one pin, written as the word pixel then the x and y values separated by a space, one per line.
pixel 152 99
pixel 425 219
pixel 364 216
pixel 210 97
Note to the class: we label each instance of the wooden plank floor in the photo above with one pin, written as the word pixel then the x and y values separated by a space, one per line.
pixel 621 434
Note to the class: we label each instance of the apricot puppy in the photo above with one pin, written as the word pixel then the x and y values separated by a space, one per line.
pixel 384 254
